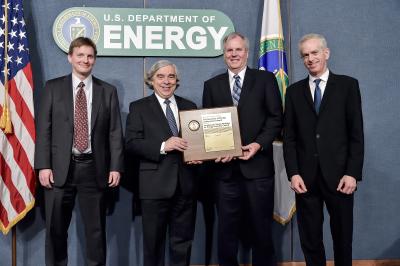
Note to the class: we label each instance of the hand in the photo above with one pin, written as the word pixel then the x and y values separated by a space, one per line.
pixel 114 178
pixel 297 184
pixel 250 150
pixel 194 162
pixel 175 143
pixel 347 184
pixel 46 178
pixel 226 159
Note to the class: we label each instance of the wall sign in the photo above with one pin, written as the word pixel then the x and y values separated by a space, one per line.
pixel 145 32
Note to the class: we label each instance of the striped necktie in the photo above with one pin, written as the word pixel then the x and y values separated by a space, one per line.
pixel 171 118
pixel 237 89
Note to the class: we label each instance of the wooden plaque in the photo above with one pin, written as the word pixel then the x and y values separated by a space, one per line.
pixel 211 133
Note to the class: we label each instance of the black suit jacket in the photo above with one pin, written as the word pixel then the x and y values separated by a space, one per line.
pixel 260 118
pixel 333 139
pixel 55 126
pixel 146 128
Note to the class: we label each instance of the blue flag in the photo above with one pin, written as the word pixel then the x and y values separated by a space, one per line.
pixel 272 49
pixel 273 59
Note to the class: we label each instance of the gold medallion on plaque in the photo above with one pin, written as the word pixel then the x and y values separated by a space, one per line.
pixel 194 125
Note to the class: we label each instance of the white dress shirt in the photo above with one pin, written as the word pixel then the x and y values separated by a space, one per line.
pixel 232 79
pixel 175 111
pixel 322 85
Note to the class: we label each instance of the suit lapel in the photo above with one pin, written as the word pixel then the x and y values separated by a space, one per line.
pixel 226 94
pixel 307 94
pixel 329 90
pixel 179 103
pixel 159 114
pixel 247 86
pixel 69 102
pixel 97 94
pixel 181 107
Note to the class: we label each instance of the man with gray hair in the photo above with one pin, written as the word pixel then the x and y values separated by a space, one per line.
pixel 166 183
pixel 324 151
pixel 245 187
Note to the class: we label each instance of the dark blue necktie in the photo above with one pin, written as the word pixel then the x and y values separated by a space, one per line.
pixel 317 95
pixel 171 119
pixel 237 88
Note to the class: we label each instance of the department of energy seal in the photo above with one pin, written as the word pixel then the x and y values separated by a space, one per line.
pixel 194 125
pixel 74 23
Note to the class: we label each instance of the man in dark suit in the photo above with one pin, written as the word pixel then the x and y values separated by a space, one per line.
pixel 324 150
pixel 79 151
pixel 166 184
pixel 245 187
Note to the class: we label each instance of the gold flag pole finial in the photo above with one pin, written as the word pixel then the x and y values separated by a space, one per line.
pixel 5 119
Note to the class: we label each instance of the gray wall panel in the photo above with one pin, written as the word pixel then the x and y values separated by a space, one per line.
pixel 363 37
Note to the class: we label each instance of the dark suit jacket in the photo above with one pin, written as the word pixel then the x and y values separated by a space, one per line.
pixel 260 118
pixel 146 128
pixel 333 139
pixel 55 126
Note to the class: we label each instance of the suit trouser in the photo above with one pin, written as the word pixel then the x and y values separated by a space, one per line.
pixel 310 219
pixel 252 200
pixel 60 202
pixel 178 214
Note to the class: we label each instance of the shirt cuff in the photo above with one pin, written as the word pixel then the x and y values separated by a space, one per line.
pixel 162 148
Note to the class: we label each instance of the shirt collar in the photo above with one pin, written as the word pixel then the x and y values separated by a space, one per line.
pixel 162 100
pixel 323 77
pixel 88 81
pixel 240 74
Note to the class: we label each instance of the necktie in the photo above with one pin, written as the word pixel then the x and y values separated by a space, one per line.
pixel 317 95
pixel 237 88
pixel 171 119
pixel 81 132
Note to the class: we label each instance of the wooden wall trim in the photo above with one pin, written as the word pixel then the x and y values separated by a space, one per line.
pixel 330 263
pixel 355 263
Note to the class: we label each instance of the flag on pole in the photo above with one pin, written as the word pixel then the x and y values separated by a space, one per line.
pixel 284 199
pixel 17 129
pixel 273 58
pixel 272 49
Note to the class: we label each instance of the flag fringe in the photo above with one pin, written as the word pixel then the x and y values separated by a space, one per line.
pixel 283 220
pixel 6 229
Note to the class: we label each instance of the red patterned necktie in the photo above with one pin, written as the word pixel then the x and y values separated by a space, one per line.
pixel 81 132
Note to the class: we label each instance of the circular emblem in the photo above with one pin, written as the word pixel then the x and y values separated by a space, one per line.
pixel 194 125
pixel 73 23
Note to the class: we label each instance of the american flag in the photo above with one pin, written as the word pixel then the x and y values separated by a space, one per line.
pixel 17 177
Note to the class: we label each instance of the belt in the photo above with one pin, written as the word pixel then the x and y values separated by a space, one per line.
pixel 82 157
